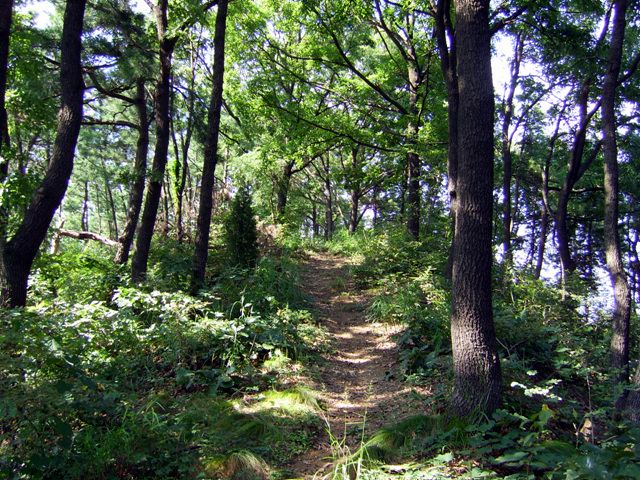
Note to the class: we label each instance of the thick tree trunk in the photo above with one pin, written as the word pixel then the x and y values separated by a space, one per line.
pixel 162 98
pixel 621 293
pixel 211 150
pixel 136 193
pixel 477 375
pixel 20 251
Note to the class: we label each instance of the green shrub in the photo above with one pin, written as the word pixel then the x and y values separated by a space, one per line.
pixel 101 389
pixel 240 232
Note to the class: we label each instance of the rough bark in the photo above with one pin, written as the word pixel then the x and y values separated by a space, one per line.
pixel 621 293
pixel 477 375
pixel 211 150
pixel 136 194
pixel 20 251
pixel 162 96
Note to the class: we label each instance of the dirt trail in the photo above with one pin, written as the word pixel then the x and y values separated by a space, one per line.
pixel 358 384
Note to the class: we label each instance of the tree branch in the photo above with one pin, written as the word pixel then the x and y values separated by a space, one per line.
pixel 86 236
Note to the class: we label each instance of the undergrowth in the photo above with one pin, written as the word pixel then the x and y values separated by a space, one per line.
pixel 557 421
pixel 103 379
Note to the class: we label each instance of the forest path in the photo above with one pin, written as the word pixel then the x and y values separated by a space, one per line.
pixel 358 382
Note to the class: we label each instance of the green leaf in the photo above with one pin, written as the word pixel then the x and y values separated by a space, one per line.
pixel 510 457
pixel 65 431
pixel 62 387
pixel 443 458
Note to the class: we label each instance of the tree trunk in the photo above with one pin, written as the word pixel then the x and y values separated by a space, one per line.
pixel 328 206
pixel 84 223
pixel 354 216
pixel 621 293
pixel 477 375
pixel 20 251
pixel 6 12
pixel 445 37
pixel 314 221
pixel 139 176
pixel 507 254
pixel 328 212
pixel 162 98
pixel 113 224
pixel 283 187
pixel 542 241
pixel 413 159
pixel 576 170
pixel 182 167
pixel 211 151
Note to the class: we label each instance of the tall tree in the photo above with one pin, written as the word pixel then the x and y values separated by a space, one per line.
pixel 18 254
pixel 507 138
pixel 136 191
pixel 447 46
pixel 477 374
pixel 123 77
pixel 6 13
pixel 161 101
pixel 622 296
pixel 211 149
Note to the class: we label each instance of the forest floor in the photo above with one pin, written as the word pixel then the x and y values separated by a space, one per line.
pixel 359 384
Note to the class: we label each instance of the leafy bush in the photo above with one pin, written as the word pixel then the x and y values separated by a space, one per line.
pixel 107 387
pixel 80 274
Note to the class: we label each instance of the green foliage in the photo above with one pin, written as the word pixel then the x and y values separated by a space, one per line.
pixel 409 292
pixel 81 273
pixel 555 350
pixel 105 380
pixel 240 232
